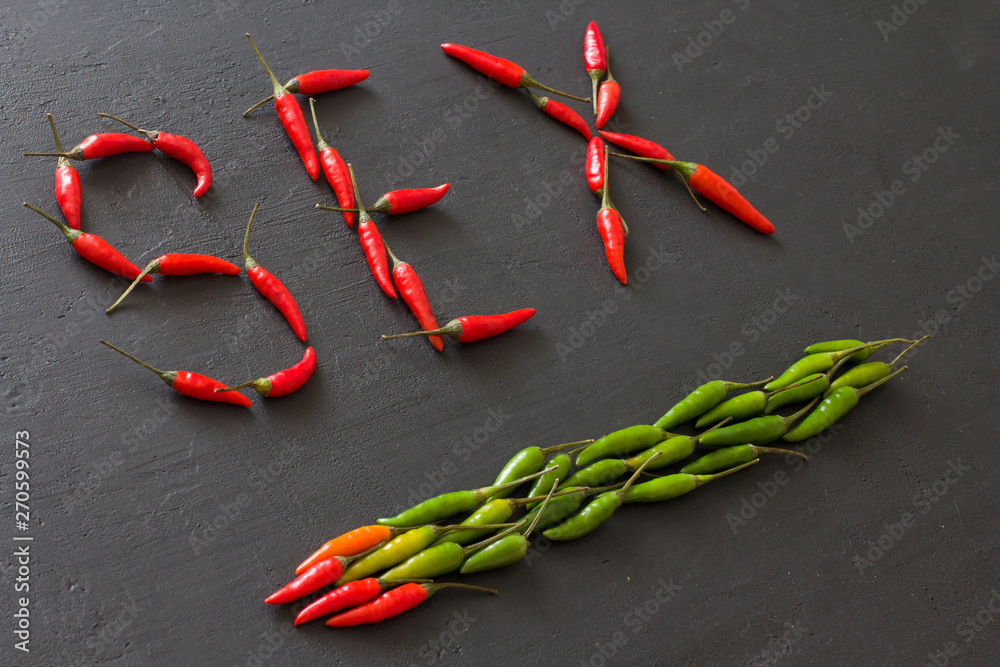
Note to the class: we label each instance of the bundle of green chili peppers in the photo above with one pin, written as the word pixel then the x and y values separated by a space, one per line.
pixel 569 498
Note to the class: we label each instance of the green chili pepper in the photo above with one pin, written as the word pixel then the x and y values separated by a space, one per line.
pixel 562 463
pixel 821 362
pixel 699 401
pixel 603 472
pixel 393 552
pixel 833 407
pixel 507 550
pixel 758 431
pixel 671 450
pixel 501 553
pixel 448 504
pixel 837 346
pixel 669 487
pixel 431 562
pixel 594 515
pixel 727 457
pixel 750 404
pixel 526 462
pixel 623 441
pixel 806 389
pixel 866 374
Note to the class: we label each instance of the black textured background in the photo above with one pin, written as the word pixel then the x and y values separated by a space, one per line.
pixel 134 560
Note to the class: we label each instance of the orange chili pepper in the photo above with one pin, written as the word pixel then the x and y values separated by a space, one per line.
pixel 350 543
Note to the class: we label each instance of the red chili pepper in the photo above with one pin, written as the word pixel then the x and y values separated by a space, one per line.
pixel 411 199
pixel 412 291
pixel 103 145
pixel 613 229
pixel 67 184
pixel 176 264
pixel 351 543
pixel 595 166
pixel 372 244
pixel 716 189
pixel 283 382
pixel 291 117
pixel 595 56
pixel 607 100
pixel 719 191
pixel 320 575
pixel 179 148
pixel 320 81
pixel 562 113
pixel 400 201
pixel 639 146
pixel 190 384
pixel 471 328
pixel 94 249
pixel 499 69
pixel 335 170
pixel 342 597
pixel 272 288
pixel 394 603
pixel 325 80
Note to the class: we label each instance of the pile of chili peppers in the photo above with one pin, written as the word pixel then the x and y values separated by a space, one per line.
pixel 379 571
pixel 400 279
pixel 606 97
pixel 101 253
pixel 400 276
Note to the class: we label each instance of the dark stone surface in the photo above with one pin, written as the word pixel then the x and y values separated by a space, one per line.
pixel 133 560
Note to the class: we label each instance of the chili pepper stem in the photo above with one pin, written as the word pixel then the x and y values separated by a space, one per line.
pixel 278 88
pixel 719 425
pixel 248 383
pixel 55 134
pixel 395 260
pixel 654 160
pixel 320 143
pixel 63 155
pixel 529 82
pixel 708 478
pixel 606 198
pixel 732 386
pixel 152 266
pixel 324 207
pixel 362 213
pixel 479 546
pixel 566 445
pixel 141 131
pixel 432 588
pixel 795 417
pixel 545 504
pixel 875 385
pixel 260 104
pixel 453 330
pixel 872 347
pixel 163 374
pixel 774 450
pixel 892 364
pixel 638 472
pixel 247 259
pixel 67 232
pixel 694 197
